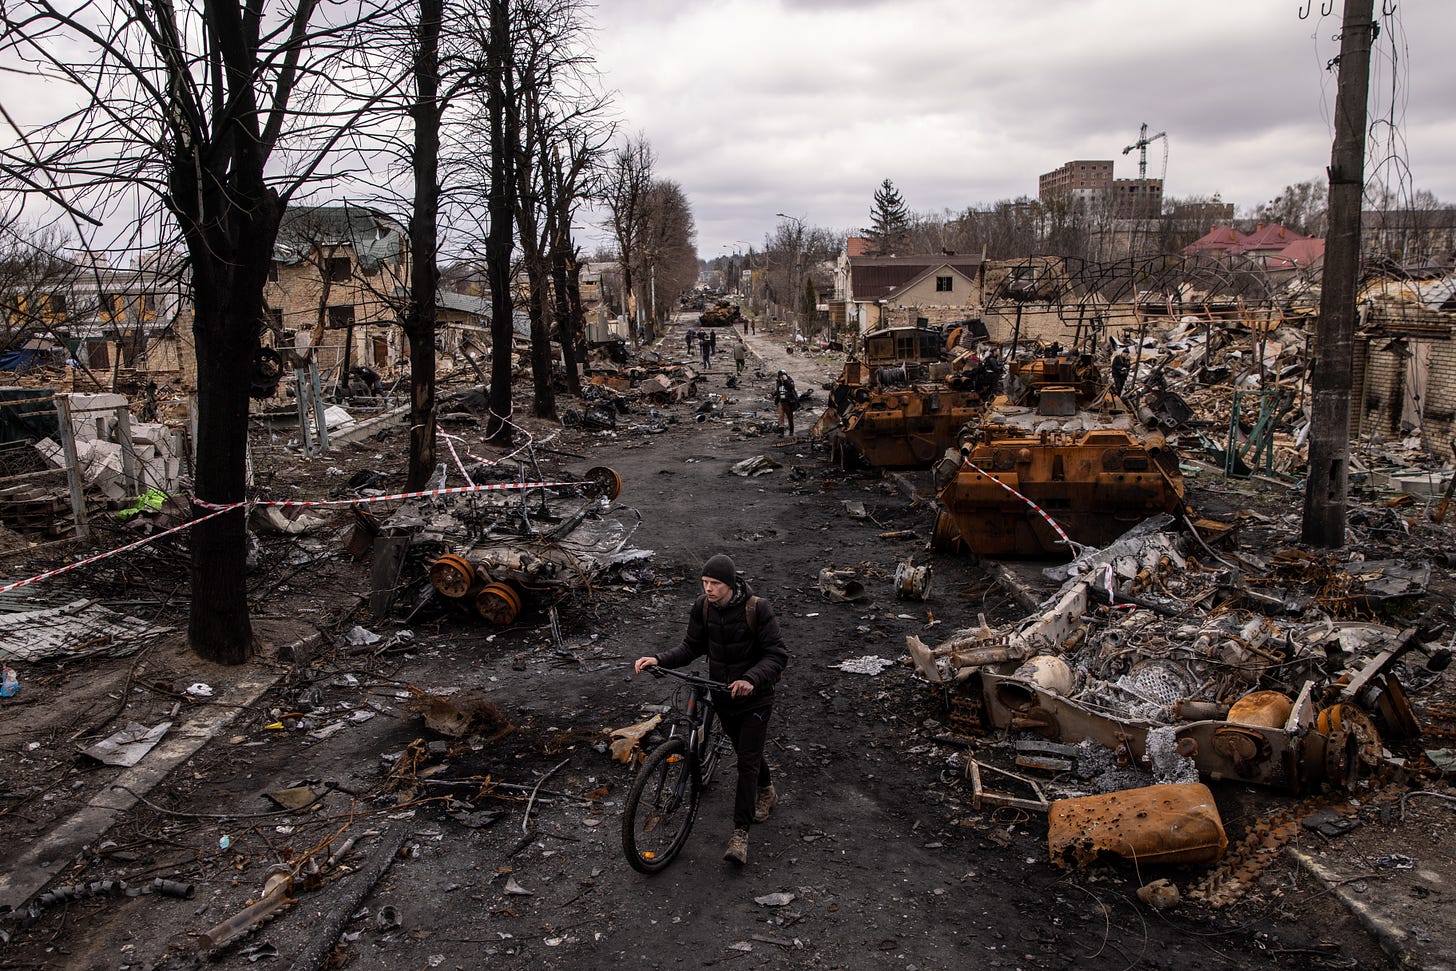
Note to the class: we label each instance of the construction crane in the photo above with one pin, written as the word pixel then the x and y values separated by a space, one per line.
pixel 1144 140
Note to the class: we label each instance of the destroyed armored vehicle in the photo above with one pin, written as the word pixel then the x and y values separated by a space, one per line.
pixel 1056 461
pixel 721 314
pixel 901 402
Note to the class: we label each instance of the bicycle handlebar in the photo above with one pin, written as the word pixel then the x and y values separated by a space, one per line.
pixel 658 671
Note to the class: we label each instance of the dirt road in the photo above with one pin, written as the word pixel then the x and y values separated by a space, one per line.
pixel 872 859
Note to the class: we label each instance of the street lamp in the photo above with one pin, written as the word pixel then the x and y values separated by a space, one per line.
pixel 748 249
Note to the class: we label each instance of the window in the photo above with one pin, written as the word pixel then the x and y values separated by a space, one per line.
pixel 339 270
pixel 340 317
pixel 273 319
pixel 944 284
pixel 57 304
pixel 273 272
pixel 112 307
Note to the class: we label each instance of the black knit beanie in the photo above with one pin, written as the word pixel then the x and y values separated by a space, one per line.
pixel 720 567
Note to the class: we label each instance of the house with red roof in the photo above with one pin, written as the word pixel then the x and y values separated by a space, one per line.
pixel 1302 255
pixel 1219 239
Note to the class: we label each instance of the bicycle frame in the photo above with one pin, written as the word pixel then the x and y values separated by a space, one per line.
pixel 695 715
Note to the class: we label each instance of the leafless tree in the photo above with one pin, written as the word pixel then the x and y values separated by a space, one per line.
pixel 573 175
pixel 36 284
pixel 794 255
pixel 1302 207
pixel 629 175
pixel 221 113
pixel 666 248
pixel 559 134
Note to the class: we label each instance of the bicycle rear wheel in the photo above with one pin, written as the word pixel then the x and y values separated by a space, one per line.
pixel 661 807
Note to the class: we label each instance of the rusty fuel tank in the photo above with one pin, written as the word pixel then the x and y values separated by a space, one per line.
pixel 1176 823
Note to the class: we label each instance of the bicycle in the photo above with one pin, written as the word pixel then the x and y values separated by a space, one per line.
pixel 663 801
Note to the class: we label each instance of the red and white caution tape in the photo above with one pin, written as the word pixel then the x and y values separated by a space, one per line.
pixel 1075 547
pixel 424 493
pixel 121 549
pixel 527 444
pixel 217 509
pixel 455 455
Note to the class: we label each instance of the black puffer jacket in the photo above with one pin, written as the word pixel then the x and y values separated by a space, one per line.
pixel 734 651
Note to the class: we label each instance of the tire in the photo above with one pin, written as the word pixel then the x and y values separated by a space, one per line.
pixel 713 742
pixel 661 807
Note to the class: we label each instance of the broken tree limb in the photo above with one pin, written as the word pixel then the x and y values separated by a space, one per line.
pixel 526 819
pixel 326 932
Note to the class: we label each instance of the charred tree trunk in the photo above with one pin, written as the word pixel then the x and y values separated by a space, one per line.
pixel 499 207
pixel 523 115
pixel 542 362
pixel 566 319
pixel 419 319
pixel 227 295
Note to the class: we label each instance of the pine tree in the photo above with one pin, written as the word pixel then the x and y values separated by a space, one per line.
pixel 891 221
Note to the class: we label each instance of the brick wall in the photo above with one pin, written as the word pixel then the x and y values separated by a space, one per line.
pixel 1381 387
pixel 1440 404
pixel 1038 322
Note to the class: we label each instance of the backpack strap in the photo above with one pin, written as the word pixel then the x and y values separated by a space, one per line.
pixel 750 613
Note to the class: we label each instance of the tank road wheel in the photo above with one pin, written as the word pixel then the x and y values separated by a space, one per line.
pixel 602 481
pixel 498 603
pixel 452 575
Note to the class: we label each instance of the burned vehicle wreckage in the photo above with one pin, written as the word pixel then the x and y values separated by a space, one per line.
pixel 1056 460
pixel 1162 656
pixel 1159 658
pixel 903 400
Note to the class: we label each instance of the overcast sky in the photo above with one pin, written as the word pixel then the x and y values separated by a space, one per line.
pixel 803 106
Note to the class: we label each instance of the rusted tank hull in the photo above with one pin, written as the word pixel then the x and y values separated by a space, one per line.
pixel 908 428
pixel 1095 486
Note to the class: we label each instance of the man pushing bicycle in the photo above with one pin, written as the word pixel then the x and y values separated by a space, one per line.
pixel 740 634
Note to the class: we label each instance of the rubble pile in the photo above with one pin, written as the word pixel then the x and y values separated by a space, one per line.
pixel 1266 670
pixel 1239 393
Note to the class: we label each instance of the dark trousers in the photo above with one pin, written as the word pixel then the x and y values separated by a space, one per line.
pixel 748 731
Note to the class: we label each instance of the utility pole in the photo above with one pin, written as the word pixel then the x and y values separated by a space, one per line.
pixel 1328 486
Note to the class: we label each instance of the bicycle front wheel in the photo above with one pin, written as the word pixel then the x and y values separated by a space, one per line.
pixel 713 743
pixel 660 807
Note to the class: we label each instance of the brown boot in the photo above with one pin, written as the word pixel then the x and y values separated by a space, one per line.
pixel 763 805
pixel 737 851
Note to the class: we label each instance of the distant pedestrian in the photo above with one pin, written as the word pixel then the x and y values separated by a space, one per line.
pixel 713 342
pixel 786 397
pixel 707 350
pixel 692 336
pixel 1121 365
pixel 740 355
